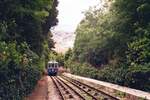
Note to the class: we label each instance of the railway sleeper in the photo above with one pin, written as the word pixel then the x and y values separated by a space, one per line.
pixel 69 95
pixel 97 95
pixel 67 92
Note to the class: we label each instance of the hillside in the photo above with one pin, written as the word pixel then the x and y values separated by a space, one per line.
pixel 64 40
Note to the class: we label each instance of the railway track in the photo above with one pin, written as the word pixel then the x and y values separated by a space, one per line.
pixel 65 91
pixel 70 89
pixel 91 91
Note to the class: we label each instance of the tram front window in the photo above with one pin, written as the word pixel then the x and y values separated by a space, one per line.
pixel 53 65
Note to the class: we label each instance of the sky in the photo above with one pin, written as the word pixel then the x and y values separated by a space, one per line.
pixel 70 13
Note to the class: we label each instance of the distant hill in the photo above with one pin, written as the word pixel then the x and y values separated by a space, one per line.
pixel 64 40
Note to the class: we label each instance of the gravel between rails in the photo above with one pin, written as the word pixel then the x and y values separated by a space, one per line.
pixel 98 95
pixel 53 93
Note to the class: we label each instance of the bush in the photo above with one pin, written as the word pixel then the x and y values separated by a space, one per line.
pixel 137 76
pixel 18 73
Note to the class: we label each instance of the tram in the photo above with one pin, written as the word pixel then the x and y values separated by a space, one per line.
pixel 52 68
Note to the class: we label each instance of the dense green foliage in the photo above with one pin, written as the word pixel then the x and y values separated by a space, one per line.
pixel 117 43
pixel 59 57
pixel 28 21
pixel 18 74
pixel 25 41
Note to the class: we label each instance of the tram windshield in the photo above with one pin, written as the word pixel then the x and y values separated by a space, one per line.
pixel 52 64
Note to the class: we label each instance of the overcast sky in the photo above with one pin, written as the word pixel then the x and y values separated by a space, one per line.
pixel 70 13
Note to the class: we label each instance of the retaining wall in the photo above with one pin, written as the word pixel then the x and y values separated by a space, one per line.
pixel 123 93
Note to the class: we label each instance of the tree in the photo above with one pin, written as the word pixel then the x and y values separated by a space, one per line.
pixel 28 21
pixel 25 38
pixel 68 54
pixel 118 41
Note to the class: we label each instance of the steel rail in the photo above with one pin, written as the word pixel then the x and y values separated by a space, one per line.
pixel 93 98
pixel 58 89
pixel 103 93
pixel 71 88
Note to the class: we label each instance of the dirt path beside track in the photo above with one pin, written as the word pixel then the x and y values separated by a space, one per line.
pixel 44 90
pixel 40 91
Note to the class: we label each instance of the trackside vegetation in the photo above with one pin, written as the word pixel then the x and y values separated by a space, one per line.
pixel 114 45
pixel 25 41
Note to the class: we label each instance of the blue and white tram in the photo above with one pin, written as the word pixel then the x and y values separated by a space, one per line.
pixel 52 68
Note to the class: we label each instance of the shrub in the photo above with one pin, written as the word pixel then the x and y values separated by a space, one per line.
pixel 137 76
pixel 18 73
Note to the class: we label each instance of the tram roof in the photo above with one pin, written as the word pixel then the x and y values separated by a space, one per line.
pixel 52 62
